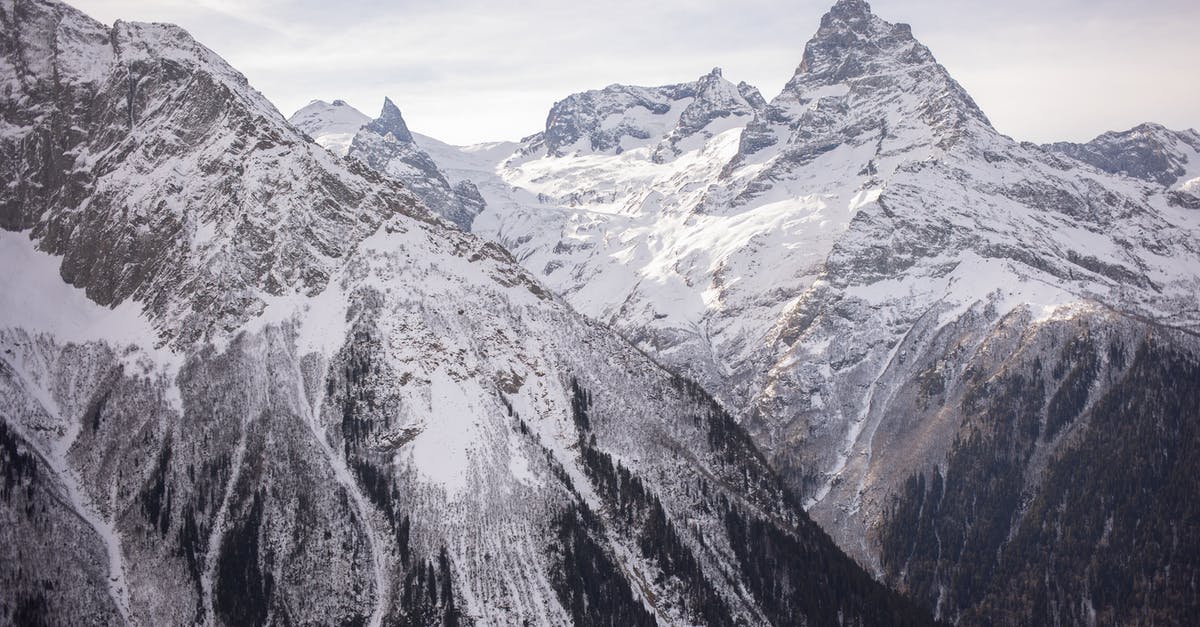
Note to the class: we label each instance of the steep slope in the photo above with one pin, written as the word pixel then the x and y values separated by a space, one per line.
pixel 273 388
pixel 695 246
pixel 962 222
pixel 103 128
pixel 386 145
pixel 969 239
pixel 843 274
pixel 332 125
pixel 599 207
pixel 1062 497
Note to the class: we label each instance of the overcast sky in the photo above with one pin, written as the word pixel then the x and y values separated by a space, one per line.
pixel 467 71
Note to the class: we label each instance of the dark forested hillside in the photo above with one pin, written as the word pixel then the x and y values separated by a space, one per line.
pixel 1103 528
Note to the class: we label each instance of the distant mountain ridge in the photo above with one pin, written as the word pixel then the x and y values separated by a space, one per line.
pixel 1150 152
pixel 332 125
pixel 619 117
pixel 385 144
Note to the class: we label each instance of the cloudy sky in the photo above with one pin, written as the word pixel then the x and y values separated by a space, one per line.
pixel 473 70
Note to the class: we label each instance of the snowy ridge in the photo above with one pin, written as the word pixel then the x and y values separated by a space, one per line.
pixel 332 125
pixel 623 117
pixel 1149 152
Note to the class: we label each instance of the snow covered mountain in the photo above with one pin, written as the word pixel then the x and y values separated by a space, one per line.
pixel 386 145
pixel 620 117
pixel 1149 152
pixel 600 206
pixel 932 329
pixel 332 125
pixel 245 381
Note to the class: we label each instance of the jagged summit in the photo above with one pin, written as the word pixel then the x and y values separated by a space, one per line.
pixel 861 75
pixel 391 122
pixel 847 11
pixel 622 117
pixel 385 144
pixel 1149 151
pixel 849 36
pixel 715 98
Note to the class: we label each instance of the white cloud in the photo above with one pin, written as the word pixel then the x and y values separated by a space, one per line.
pixel 469 70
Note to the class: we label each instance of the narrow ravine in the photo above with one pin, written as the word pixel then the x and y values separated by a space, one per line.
pixel 81 503
pixel 212 555
pixel 342 473
pixel 857 426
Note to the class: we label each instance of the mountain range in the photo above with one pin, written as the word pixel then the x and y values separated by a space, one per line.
pixel 685 356
pixel 869 277
pixel 247 381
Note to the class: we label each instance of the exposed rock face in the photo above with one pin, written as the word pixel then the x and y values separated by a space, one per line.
pixel 386 145
pixel 1149 152
pixel 969 238
pixel 315 402
pixel 716 100
pixel 621 117
pixel 854 57
pixel 100 126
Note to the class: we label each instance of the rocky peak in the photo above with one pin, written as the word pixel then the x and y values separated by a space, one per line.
pixel 712 84
pixel 752 95
pixel 847 12
pixel 390 122
pixel 620 117
pixel 853 42
pixel 717 97
pixel 861 72
pixel 387 146
pixel 1150 152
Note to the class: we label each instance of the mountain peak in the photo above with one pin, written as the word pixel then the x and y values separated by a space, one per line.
pixel 332 125
pixel 854 16
pixel 850 35
pixel 390 121
pixel 848 9
pixel 1148 151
